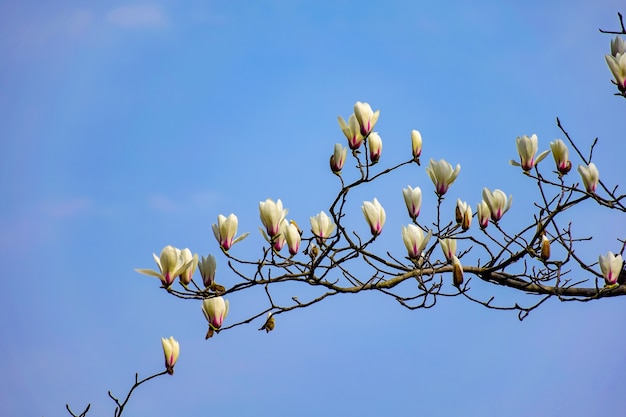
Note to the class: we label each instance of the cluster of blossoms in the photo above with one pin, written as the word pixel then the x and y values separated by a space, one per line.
pixel 279 231
pixel 617 62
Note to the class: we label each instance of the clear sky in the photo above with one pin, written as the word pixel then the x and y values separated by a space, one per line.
pixel 125 127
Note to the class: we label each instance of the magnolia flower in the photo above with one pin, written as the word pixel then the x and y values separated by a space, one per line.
pixel 457 272
pixel 322 226
pixel 527 148
pixel 338 158
pixel 413 200
pixel 207 267
pixel 483 214
pixel 545 248
pixel 272 215
pixel 215 310
pixel 414 240
pixel 352 130
pixel 442 175
pixel 416 141
pixel 611 266
pixel 618 46
pixel 225 231
pixel 171 350
pixel 293 237
pixel 376 146
pixel 448 246
pixel 192 261
pixel 170 265
pixel 280 239
pixel 463 214
pixel 617 65
pixel 366 117
pixel 375 215
pixel 590 176
pixel 497 202
pixel 561 156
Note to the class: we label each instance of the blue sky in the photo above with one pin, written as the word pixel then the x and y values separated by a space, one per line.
pixel 129 126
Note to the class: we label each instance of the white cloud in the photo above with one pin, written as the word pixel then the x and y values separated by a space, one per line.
pixel 137 16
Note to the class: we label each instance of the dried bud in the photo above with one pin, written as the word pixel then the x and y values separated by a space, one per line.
pixel 457 272
pixel 269 323
pixel 545 248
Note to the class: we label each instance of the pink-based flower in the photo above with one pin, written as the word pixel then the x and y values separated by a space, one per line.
pixel 414 240
pixel 416 142
pixel 171 350
pixel 272 215
pixel 376 146
pixel 374 215
pixel 207 267
pixel 352 131
pixel 413 200
pixel 442 175
pixel 322 227
pixel 293 237
pixel 225 231
pixel 617 65
pixel 448 247
pixel 191 260
pixel 497 202
pixel 611 266
pixel 527 148
pixel 590 176
pixel 561 156
pixel 483 214
pixel 170 265
pixel 338 158
pixel 366 117
pixel 215 310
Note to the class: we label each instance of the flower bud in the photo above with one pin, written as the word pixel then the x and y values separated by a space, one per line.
pixel 497 202
pixel 293 237
pixel 207 267
pixel 374 215
pixel 611 266
pixel 215 310
pixel 413 200
pixel 376 146
pixel 590 176
pixel 322 227
pixel 414 240
pixel 171 350
pixel 483 214
pixel 448 247
pixel 338 158
pixel 561 156
pixel 416 142
pixel 192 262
